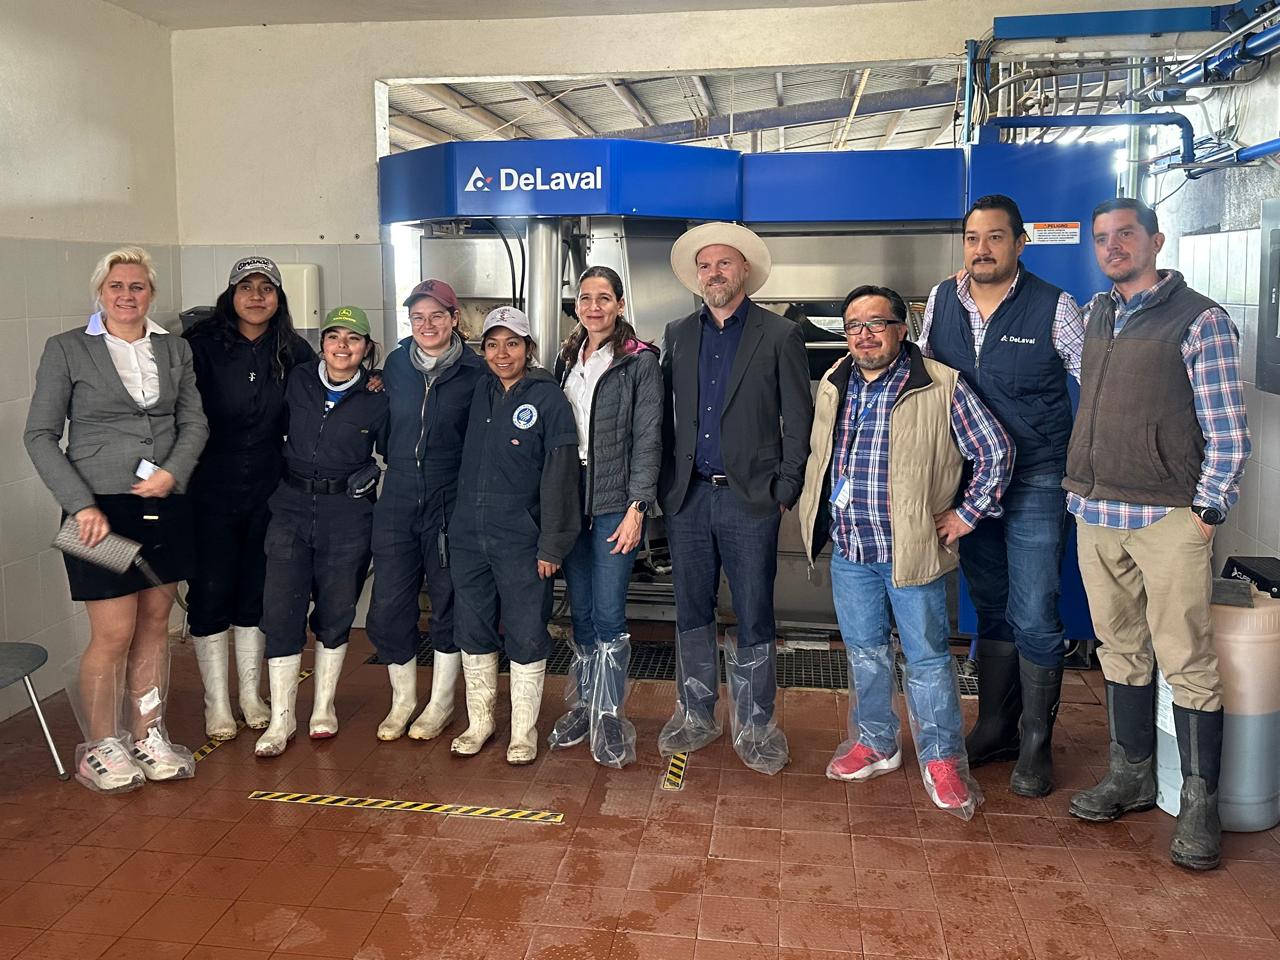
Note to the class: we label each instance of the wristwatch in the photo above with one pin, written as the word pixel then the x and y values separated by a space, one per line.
pixel 641 505
pixel 1210 515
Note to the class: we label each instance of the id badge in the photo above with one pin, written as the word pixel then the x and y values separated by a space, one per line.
pixel 145 469
pixel 841 494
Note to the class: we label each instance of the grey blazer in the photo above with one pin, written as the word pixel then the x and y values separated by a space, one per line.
pixel 109 433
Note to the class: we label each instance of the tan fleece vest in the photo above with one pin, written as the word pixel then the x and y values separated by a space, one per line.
pixel 925 469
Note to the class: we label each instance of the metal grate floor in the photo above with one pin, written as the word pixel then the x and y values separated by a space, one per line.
pixel 811 669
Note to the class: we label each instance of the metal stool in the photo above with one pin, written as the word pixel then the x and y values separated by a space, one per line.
pixel 17 662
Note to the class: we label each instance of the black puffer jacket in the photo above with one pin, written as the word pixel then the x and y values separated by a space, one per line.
pixel 625 440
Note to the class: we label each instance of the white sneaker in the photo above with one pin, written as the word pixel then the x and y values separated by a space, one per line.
pixel 107 768
pixel 158 760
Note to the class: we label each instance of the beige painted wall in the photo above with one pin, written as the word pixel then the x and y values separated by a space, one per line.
pixel 283 118
pixel 87 120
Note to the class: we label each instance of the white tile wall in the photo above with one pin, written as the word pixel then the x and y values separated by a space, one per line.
pixel 46 285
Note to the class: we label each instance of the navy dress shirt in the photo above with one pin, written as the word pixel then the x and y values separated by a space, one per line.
pixel 716 351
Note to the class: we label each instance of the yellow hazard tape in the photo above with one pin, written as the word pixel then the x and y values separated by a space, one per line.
pixel 209 746
pixel 673 779
pixel 410 806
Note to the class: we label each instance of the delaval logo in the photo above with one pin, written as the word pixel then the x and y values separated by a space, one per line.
pixel 537 180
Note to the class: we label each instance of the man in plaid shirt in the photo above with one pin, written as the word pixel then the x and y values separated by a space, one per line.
pixel 1016 339
pixel 892 431
pixel 1154 464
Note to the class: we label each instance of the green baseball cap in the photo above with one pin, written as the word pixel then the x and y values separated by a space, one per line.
pixel 353 318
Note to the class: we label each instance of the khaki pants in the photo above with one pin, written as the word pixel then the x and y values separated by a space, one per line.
pixel 1149 593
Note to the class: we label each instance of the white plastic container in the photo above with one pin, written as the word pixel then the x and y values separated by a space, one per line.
pixel 1248 645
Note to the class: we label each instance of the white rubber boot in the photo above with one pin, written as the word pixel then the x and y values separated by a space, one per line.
pixel 324 718
pixel 439 712
pixel 404 699
pixel 480 671
pixel 211 658
pixel 251 644
pixel 526 700
pixel 282 675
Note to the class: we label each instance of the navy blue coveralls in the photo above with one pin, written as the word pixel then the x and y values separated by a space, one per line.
pixel 518 503
pixel 318 539
pixel 243 398
pixel 411 519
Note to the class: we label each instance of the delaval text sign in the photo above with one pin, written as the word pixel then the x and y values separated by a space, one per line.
pixel 547 178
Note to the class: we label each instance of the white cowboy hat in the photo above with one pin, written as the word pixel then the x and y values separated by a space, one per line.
pixel 684 253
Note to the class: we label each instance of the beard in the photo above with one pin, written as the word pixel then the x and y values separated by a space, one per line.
pixel 719 294
pixel 992 272
pixel 876 361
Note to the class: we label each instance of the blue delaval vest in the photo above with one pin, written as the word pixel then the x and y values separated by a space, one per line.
pixel 1019 375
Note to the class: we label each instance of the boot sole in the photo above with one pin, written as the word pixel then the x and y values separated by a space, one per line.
pixel 1189 863
pixel 1093 816
pixel 1031 792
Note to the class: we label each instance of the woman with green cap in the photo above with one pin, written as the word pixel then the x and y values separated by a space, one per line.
pixel 318 541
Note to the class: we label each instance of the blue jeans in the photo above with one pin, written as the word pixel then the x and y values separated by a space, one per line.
pixel 863 594
pixel 597 582
pixel 1012 566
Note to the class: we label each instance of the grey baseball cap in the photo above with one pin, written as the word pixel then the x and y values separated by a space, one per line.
pixel 251 265
pixel 511 318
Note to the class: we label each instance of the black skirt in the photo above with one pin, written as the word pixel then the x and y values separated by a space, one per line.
pixel 164 527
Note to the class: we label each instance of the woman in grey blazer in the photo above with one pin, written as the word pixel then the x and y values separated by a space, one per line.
pixel 127 389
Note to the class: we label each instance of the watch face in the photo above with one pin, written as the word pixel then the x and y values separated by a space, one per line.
pixel 1211 515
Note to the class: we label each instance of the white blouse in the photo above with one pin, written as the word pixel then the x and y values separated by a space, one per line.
pixel 134 362
pixel 580 388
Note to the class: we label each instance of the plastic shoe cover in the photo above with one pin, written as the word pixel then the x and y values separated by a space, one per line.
pixel 438 712
pixel 933 709
pixel 752 673
pixel 107 767
pixel 613 736
pixel 282 674
pixel 693 725
pixel 575 724
pixel 526 701
pixel 404 699
pixel 860 762
pixel 211 658
pixel 324 717
pixel 251 648
pixel 158 759
pixel 947 788
pixel 480 671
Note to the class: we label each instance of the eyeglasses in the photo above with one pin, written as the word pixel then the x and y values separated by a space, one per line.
pixel 435 319
pixel 871 326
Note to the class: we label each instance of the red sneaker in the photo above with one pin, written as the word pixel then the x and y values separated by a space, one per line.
pixel 946 787
pixel 860 762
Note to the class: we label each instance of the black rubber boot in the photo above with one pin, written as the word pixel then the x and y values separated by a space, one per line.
pixel 995 736
pixel 1130 783
pixel 1041 694
pixel 1197 841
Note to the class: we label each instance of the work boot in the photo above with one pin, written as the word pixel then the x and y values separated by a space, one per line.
pixel 438 712
pixel 282 675
pixel 1041 694
pixel 211 658
pixel 994 736
pixel 480 673
pixel 1130 782
pixel 404 699
pixel 613 736
pixel 1197 841
pixel 752 674
pixel 574 725
pixel 526 701
pixel 251 646
pixel 693 725
pixel 324 717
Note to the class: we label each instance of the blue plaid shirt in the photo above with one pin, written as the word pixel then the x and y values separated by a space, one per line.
pixel 863 530
pixel 1211 352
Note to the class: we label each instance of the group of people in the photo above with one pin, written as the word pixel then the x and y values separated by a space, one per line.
pixel 244 464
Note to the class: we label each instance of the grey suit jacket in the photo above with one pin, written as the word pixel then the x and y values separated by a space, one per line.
pixel 109 433
pixel 764 425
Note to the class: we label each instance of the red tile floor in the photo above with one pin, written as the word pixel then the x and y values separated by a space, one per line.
pixel 736 866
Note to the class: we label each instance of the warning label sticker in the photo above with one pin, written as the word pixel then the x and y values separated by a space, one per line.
pixel 1062 231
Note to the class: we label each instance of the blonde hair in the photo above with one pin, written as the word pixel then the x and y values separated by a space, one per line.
pixel 115 258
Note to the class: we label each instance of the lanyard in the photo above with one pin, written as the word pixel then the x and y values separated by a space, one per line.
pixel 868 400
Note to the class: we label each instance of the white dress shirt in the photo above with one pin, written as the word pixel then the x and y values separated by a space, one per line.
pixel 580 388
pixel 135 362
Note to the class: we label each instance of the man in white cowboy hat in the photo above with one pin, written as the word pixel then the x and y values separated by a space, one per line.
pixel 736 436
